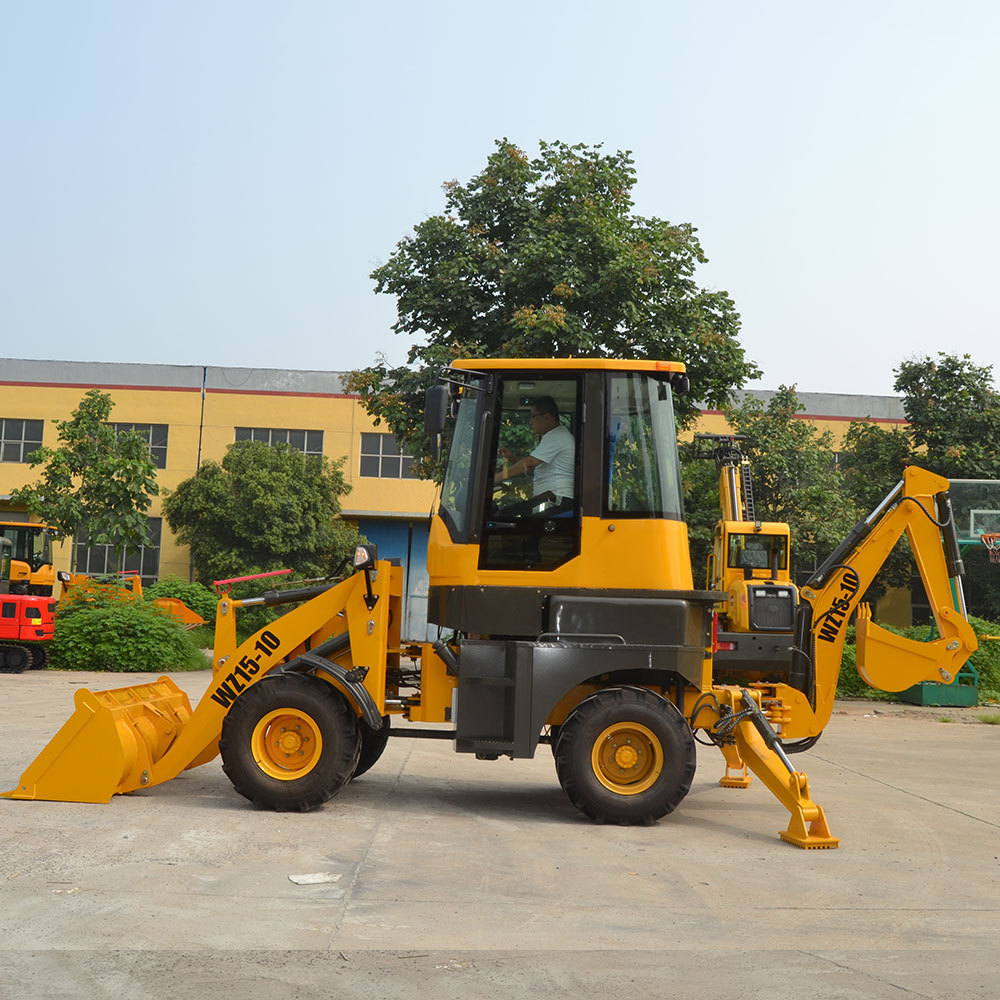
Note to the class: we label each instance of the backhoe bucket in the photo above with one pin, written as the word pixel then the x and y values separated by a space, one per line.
pixel 893 663
pixel 108 745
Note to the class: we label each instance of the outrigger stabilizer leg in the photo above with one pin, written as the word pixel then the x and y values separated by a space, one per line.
pixel 751 741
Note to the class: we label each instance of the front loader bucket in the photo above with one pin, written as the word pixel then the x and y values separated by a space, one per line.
pixel 179 611
pixel 109 744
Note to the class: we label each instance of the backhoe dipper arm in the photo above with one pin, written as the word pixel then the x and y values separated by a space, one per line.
pixel 919 505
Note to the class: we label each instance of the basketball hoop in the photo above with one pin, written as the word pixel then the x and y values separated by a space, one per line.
pixel 992 542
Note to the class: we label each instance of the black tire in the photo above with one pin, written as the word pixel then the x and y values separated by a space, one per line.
pixel 373 743
pixel 554 732
pixel 14 659
pixel 265 743
pixel 625 755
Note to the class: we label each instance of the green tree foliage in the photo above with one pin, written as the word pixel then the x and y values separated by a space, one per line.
pixel 953 412
pixel 97 479
pixel 794 480
pixel 104 633
pixel 872 460
pixel 544 257
pixel 262 508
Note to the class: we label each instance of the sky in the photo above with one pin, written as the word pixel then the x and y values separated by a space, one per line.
pixel 213 182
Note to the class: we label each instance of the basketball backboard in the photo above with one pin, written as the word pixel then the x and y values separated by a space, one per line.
pixel 976 507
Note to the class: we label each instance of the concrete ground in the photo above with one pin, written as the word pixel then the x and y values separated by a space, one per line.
pixel 451 877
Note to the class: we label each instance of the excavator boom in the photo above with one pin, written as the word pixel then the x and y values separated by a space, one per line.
pixel 918 506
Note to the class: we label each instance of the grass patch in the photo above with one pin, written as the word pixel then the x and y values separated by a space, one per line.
pixel 203 636
pixel 945 718
pixel 989 718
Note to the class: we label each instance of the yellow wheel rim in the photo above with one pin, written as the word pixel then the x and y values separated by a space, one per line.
pixel 286 744
pixel 627 758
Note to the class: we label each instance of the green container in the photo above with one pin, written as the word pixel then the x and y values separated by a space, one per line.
pixel 962 693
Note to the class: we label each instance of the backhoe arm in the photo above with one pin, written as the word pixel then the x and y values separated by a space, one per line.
pixel 918 506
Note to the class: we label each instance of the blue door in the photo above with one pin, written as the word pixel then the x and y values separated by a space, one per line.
pixel 407 542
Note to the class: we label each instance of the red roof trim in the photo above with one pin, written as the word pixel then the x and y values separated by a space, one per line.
pixel 90 385
pixel 182 388
pixel 280 392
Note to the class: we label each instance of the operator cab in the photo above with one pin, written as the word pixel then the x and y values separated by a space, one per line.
pixel 525 466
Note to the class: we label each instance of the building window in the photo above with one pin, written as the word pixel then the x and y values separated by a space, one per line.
pixel 155 435
pixel 19 438
pixel 101 560
pixel 381 457
pixel 308 442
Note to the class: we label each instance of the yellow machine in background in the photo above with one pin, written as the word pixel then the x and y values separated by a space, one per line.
pixel 749 562
pixel 31 569
pixel 568 616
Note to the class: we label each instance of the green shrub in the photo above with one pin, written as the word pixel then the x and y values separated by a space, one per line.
pixel 199 598
pixel 986 659
pixel 121 636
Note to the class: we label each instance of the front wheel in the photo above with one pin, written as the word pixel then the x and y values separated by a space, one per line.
pixel 625 755
pixel 290 743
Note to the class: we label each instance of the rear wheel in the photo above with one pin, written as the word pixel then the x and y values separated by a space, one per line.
pixel 625 755
pixel 290 743
pixel 39 657
pixel 373 743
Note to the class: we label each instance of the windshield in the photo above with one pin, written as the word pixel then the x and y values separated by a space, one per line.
pixel 458 476
pixel 643 471
pixel 29 543
pixel 755 551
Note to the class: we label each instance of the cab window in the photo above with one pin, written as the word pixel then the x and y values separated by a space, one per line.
pixel 532 517
pixel 748 551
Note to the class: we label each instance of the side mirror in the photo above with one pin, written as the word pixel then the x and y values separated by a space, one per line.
pixel 681 385
pixel 436 409
pixel 436 406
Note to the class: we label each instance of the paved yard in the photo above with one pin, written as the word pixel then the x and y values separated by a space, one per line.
pixel 460 878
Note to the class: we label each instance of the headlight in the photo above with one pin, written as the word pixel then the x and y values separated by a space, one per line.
pixel 365 556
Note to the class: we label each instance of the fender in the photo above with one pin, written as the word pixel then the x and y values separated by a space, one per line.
pixel 352 679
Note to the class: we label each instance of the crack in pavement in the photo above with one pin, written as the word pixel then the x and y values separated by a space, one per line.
pixel 905 791
pixel 867 975
pixel 349 890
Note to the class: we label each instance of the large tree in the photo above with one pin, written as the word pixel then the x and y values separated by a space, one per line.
pixel 953 411
pixel 97 479
pixel 262 508
pixel 544 257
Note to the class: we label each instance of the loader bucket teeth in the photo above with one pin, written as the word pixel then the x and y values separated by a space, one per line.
pixel 109 744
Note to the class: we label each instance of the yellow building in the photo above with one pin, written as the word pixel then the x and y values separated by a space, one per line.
pixel 192 413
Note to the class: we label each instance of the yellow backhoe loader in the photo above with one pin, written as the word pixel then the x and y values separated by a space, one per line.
pixel 749 562
pixel 561 581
